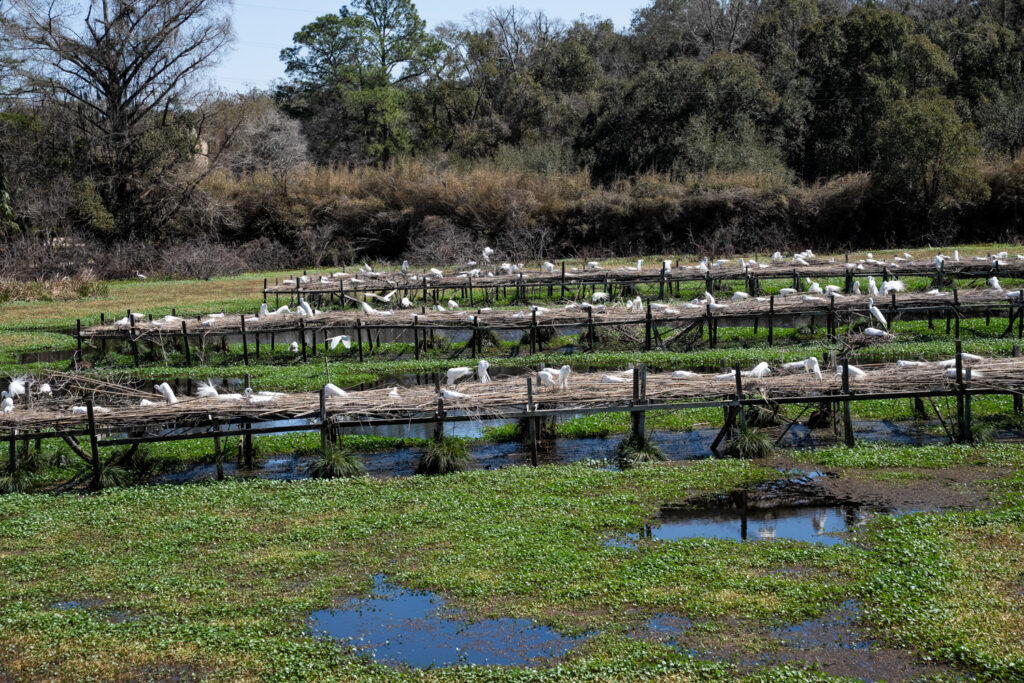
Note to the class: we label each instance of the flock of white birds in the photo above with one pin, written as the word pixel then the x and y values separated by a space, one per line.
pixel 558 378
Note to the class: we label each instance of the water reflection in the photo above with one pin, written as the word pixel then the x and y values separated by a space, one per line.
pixel 400 626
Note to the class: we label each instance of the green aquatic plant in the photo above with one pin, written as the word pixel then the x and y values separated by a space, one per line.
pixel 335 462
pixel 444 457
pixel 750 443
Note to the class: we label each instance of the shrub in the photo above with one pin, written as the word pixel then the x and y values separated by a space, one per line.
pixel 637 449
pixel 336 462
pixel 444 457
pixel 750 443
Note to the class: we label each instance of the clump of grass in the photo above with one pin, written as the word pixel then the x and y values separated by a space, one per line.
pixel 638 449
pixel 750 443
pixel 17 482
pixel 763 416
pixel 444 457
pixel 982 434
pixel 336 462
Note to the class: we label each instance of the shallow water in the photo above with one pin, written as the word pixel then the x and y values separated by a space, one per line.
pixel 415 628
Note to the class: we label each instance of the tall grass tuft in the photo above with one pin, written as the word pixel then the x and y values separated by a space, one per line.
pixel 750 443
pixel 336 462
pixel 638 449
pixel 444 457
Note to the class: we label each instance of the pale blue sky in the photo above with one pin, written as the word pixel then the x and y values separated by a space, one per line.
pixel 264 27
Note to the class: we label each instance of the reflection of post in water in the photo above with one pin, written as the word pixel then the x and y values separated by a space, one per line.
pixel 740 500
pixel 647 531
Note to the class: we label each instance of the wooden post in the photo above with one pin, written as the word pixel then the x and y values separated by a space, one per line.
pixel 131 336
pixel 562 289
pixel 245 343
pixel 302 338
pixel 78 336
pixel 184 339
pixel 12 453
pixel 847 417
pixel 960 405
pixel 323 420
pixel 359 337
pixel 771 319
pixel 968 430
pixel 1018 398
pixel 416 335
pixel 264 292
pixel 533 331
pixel 439 422
pixel 739 396
pixel 647 329
pixel 661 288
pixel 474 339
pixel 590 327
pixel 531 423
pixel 941 274
pixel 94 450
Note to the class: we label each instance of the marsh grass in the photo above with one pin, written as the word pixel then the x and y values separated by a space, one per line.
pixel 639 449
pixel 337 461
pixel 444 457
pixel 750 443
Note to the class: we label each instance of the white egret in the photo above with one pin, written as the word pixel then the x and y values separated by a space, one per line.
pixel 593 265
pixel 383 299
pixel 333 391
pixel 613 379
pixel 563 376
pixel 809 364
pixel 261 397
pixel 146 402
pixel 294 347
pixel 726 375
pixel 893 286
pixel 304 308
pixel 874 332
pixel 786 291
pixel 7 403
pixel 452 395
pixel 452 304
pixel 342 339
pixel 740 296
pixel 855 372
pixel 82 410
pixel 810 299
pixel 993 282
pixel 16 387
pixel 597 297
pixel 44 388
pixel 405 266
pixel 453 375
pixel 165 390
pixel 481 372
pixel 813 287
pixel 206 390
pixel 139 275
pixel 547 267
pixel 908 363
pixel 545 379
pixel 872 287
pixel 800 261
pixel 833 289
pixel 759 370
pixel 436 273
pixel 856 286
pixel 394 393
pixel 487 252
pixel 684 373
pixel 406 303
pixel 876 314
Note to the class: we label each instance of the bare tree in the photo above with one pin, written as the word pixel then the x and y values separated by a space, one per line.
pixel 124 71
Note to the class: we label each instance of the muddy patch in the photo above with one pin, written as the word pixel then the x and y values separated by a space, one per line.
pixel 414 628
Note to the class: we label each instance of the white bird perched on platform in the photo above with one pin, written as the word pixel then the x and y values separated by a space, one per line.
pixel 453 375
pixel 759 370
pixel 406 303
pixel 893 286
pixel 44 388
pixel 563 376
pixel 800 261
pixel 139 275
pixel 294 347
pixel 342 339
pixel 956 256
pixel 809 364
pixel 452 304
pixel 405 266
pixel 436 273
pixel 667 265
pixel 709 298
pixel 786 291
pixel 599 296
pixel 481 372
pixel 305 308
pixel 264 311
pixel 82 410
pixel 636 305
pixel 855 372
pixel 262 396
pixel 875 332
pixel 545 379
pixel 740 296
pixel 165 390
pixel 993 282
pixel 547 266
pixel 777 256
pixel 146 402
pixel 833 289
pixel 810 299
pixel 487 252
pixel 383 299
pixel 593 265
pixel 7 403
pixel 813 287
pixel 908 363
pixel 872 287
pixel 876 314
pixel 394 393
pixel 951 372
pixel 684 374
pixel 17 386
pixel 451 395
pixel 613 379
pixel 727 375
pixel 206 390
pixel 856 286
pixel 333 391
